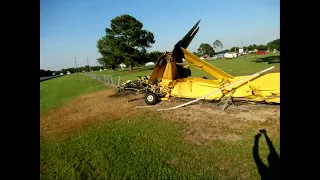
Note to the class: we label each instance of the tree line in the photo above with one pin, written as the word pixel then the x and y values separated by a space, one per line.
pixel 47 73
pixel 126 41
pixel 206 49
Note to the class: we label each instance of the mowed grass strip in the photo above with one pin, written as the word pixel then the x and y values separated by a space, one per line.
pixel 57 91
pixel 148 147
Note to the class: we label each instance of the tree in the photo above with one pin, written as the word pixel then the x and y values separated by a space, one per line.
pixel 153 56
pixel 197 54
pixel 245 48
pixel 217 44
pixel 205 49
pixel 275 44
pixel 262 47
pixel 234 49
pixel 125 41
pixel 112 56
pixel 45 73
pixel 252 47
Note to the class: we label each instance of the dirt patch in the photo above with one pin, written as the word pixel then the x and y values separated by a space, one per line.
pixel 85 111
pixel 204 123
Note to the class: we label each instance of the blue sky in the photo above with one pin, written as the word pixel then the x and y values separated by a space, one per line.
pixel 71 28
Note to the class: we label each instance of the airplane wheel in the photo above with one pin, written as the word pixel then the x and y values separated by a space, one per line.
pixel 151 98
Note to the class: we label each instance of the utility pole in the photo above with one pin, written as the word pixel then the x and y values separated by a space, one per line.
pixel 75 60
pixel 88 64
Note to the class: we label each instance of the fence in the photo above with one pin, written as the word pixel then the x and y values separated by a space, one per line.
pixel 106 79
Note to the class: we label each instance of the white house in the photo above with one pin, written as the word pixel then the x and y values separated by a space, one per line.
pixel 68 72
pixel 230 55
pixel 122 65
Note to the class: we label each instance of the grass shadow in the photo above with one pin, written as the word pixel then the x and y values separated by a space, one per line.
pixel 269 59
pixel 273 171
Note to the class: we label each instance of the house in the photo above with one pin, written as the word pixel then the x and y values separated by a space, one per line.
pixel 230 55
pixel 260 52
pixel 68 72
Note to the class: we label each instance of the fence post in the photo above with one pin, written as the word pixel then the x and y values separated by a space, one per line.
pixel 111 80
pixel 118 80
pixel 104 78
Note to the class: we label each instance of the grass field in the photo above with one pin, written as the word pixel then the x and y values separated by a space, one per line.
pixel 59 90
pixel 147 145
pixel 235 67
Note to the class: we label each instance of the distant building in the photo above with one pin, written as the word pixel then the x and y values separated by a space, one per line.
pixel 260 52
pixel 230 55
pixel 122 65
pixel 149 64
pixel 220 56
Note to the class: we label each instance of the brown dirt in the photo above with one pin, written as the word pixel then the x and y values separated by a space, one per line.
pixel 204 123
pixel 86 110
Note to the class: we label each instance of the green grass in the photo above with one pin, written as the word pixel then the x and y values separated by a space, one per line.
pixel 235 67
pixel 56 91
pixel 147 147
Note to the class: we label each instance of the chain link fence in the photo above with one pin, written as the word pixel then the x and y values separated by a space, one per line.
pixel 106 79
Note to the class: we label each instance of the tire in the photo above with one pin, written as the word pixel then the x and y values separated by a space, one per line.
pixel 151 98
